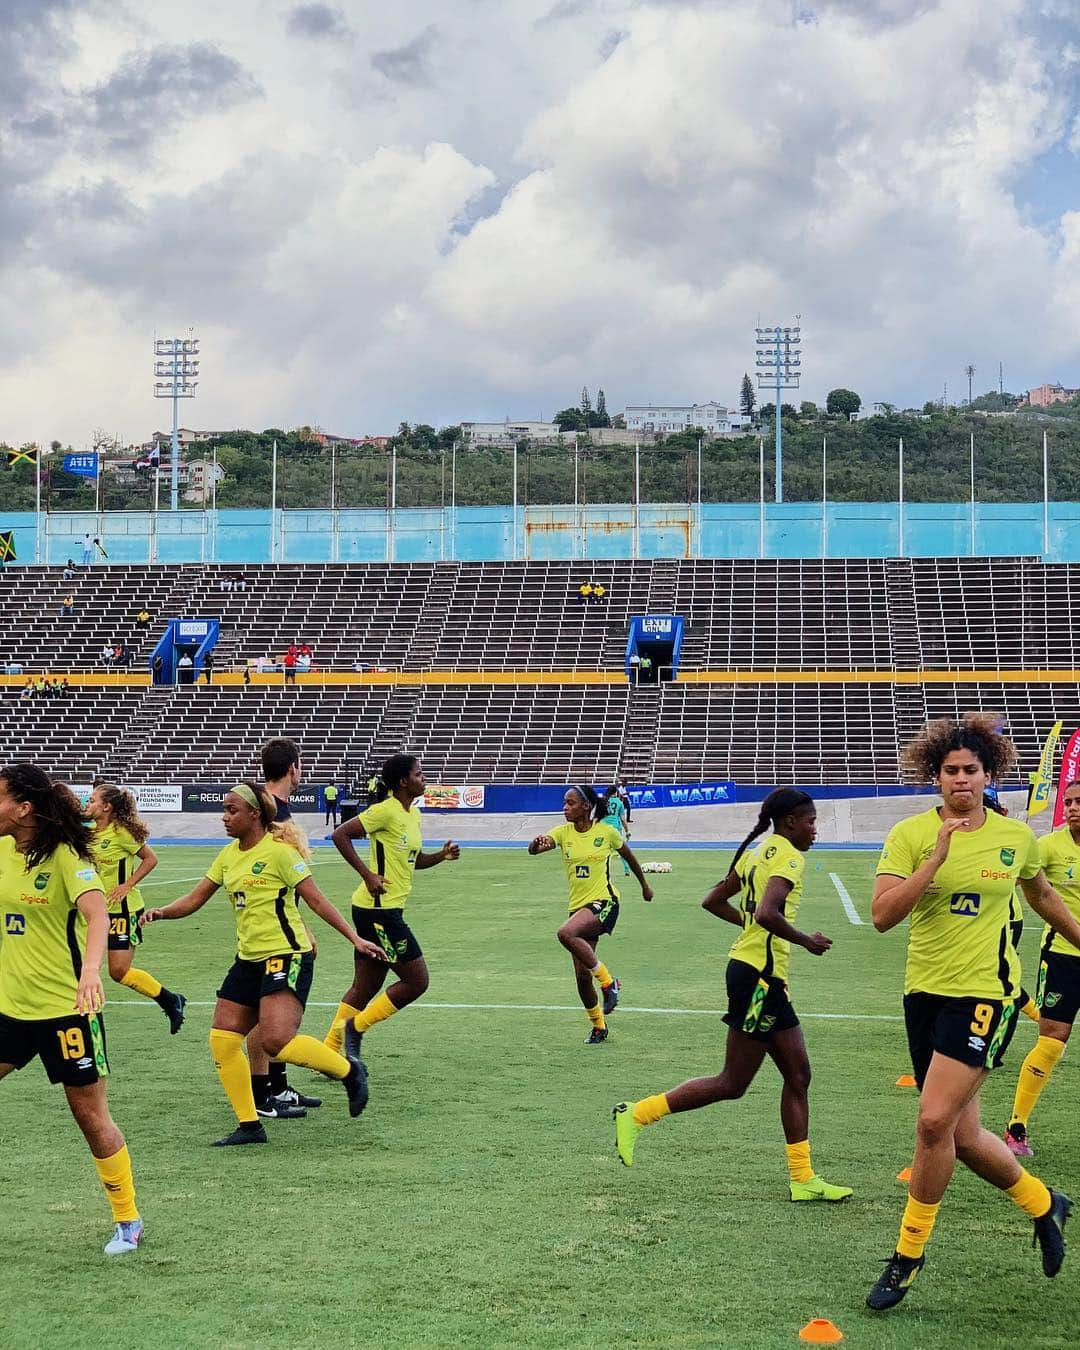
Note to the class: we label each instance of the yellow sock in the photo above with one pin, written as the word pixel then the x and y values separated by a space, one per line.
pixel 1031 1009
pixel 1030 1194
pixel 312 1054
pixel 142 983
pixel 334 1037
pixel 798 1161
pixel 115 1174
pixel 601 973
pixel 378 1010
pixel 1034 1072
pixel 227 1048
pixel 596 1017
pixel 916 1227
pixel 651 1109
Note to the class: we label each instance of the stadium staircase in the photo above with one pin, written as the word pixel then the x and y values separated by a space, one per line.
pixel 909 697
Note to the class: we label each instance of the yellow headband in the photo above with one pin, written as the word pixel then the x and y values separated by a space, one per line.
pixel 243 791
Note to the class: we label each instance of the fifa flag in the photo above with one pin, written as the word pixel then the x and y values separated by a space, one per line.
pixel 1039 789
pixel 85 465
pixel 1070 771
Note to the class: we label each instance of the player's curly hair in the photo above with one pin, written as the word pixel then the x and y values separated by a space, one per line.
pixel 781 802
pixel 978 732
pixel 125 810
pixel 57 818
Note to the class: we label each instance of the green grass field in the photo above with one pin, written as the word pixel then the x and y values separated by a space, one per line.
pixel 478 1201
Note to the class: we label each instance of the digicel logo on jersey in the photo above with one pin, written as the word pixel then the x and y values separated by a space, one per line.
pixel 990 875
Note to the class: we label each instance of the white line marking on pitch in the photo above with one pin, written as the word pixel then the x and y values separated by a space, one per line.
pixel 550 1007
pixel 845 899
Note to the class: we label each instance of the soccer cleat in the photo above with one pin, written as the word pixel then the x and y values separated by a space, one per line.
pixel 356 1087
pixel 1016 1137
pixel 175 1013
pixel 1050 1233
pixel 273 1109
pixel 611 997
pixel 817 1188
pixel 244 1134
pixel 894 1282
pixel 626 1132
pixel 352 1042
pixel 125 1239
pixel 597 1036
pixel 290 1097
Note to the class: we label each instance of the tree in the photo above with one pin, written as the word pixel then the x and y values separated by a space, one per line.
pixel 808 409
pixel 570 419
pixel 601 403
pixel 843 403
pixel 747 396
pixel 586 401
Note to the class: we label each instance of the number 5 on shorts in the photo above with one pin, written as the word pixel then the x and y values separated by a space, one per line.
pixel 984 1015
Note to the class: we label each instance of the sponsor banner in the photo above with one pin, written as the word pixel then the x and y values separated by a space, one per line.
pixel 440 797
pixel 1039 789
pixel 1070 771
pixel 209 797
pixel 148 796
pixel 681 794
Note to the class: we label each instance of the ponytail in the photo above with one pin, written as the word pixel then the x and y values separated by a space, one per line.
pixel 779 803
pixel 288 832
pixel 592 800
pixel 393 773
pixel 58 815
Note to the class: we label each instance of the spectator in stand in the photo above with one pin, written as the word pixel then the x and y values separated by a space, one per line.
pixel 142 619
pixel 118 654
pixel 635 667
pixel 69 570
pixel 303 660
pixel 185 669
pixel 645 669
pixel 87 549
pixel 290 665
pixel 330 796
pixel 40 690
pixel 107 654
pixel 208 667
pixel 585 591
pixel 67 607
pixel 247 676
pixel 598 591
pixel 27 691
pixel 157 669
pixel 239 581
pixel 63 688
pixel 225 581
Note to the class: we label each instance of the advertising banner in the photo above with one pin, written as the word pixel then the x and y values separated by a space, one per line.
pixel 1039 789
pixel 209 797
pixel 681 794
pixel 148 796
pixel 440 797
pixel 1070 771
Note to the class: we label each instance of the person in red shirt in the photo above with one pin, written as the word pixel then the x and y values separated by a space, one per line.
pixel 290 665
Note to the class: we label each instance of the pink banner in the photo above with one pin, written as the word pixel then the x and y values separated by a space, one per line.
pixel 1070 771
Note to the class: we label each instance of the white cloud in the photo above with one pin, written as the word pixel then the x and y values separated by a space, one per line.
pixel 372 216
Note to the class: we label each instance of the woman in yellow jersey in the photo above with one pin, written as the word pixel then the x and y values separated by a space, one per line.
pixel 953 869
pixel 123 859
pixel 55 927
pixel 1058 993
pixel 392 823
pixel 271 977
pixel 587 842
pixel 760 1018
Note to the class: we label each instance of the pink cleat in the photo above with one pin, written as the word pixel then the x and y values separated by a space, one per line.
pixel 1017 1140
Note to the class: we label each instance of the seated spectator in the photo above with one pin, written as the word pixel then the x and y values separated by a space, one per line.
pixel 306 650
pixel 239 581
pixel 119 654
pixel 70 571
pixel 39 687
pixel 67 608
pixel 598 591
pixel 225 581
pixel 142 619
pixel 107 654
pixel 27 691
pixel 63 688
pixel 359 667
pixel 585 591
pixel 247 676
pixel 303 663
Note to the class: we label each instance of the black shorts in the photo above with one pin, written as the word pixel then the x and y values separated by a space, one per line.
pixel 974 1031
pixel 72 1049
pixel 607 911
pixel 249 981
pixel 757 1006
pixel 1058 996
pixel 388 928
pixel 124 931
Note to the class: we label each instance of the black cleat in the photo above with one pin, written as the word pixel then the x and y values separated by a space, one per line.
pixel 1050 1233
pixel 175 1013
pixel 895 1280
pixel 252 1133
pixel 290 1097
pixel 597 1036
pixel 611 997
pixel 356 1087
pixel 272 1109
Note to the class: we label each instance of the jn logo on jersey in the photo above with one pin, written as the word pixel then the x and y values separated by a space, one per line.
pixel 14 924
pixel 965 904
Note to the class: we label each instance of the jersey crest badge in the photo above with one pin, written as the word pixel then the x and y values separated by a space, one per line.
pixel 770 852
pixel 1051 999
pixel 1008 856
pixel 42 880
pixel 258 867
pixel 598 841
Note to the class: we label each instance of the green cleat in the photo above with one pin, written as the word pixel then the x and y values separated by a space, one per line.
pixel 819 1189
pixel 626 1132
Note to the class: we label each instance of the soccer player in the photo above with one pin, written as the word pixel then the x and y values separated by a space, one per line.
pixel 587 842
pixel 952 869
pixel 392 823
pixel 1059 975
pixel 55 930
pixel 760 1017
pixel 615 816
pixel 123 858
pixel 271 977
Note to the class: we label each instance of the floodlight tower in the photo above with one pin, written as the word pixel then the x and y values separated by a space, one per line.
pixel 969 371
pixel 176 368
pixel 778 369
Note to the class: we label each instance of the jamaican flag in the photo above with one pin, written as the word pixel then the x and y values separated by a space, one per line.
pixel 26 455
pixel 7 546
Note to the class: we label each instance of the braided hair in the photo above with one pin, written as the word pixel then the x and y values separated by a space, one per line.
pixel 393 773
pixel 780 802
pixel 57 815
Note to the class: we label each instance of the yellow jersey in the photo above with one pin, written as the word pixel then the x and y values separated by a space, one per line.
pixel 44 941
pixel 261 883
pixel 959 943
pixel 585 855
pixel 775 856
pixel 1060 858
pixel 116 853
pixel 396 840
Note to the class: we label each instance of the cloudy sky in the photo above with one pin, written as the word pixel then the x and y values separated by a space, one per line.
pixel 464 209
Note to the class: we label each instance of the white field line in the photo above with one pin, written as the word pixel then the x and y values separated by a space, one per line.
pixel 177 881
pixel 845 899
pixel 549 1007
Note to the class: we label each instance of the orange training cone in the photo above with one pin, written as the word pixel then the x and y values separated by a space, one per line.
pixel 821 1331
pixel 904 1176
pixel 906 1080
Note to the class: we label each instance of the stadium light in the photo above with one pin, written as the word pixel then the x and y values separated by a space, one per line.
pixel 778 369
pixel 176 369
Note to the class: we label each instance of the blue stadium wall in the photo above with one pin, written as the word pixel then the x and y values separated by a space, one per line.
pixel 476 534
